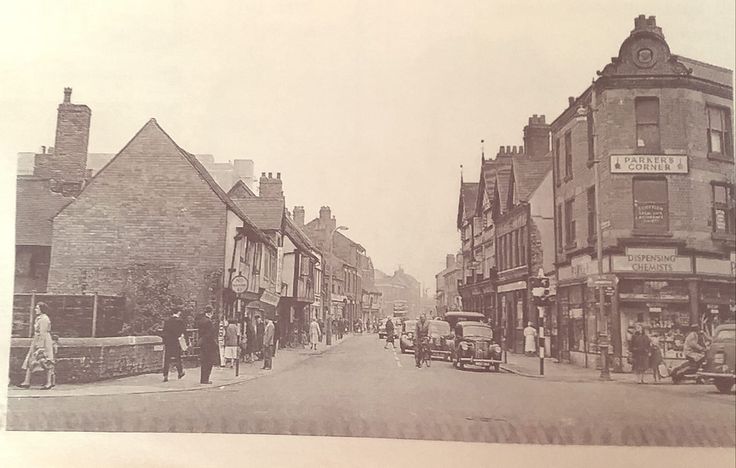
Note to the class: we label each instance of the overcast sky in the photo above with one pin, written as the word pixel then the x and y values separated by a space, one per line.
pixel 367 106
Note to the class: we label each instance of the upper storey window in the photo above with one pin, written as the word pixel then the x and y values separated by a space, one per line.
pixel 719 131
pixel 647 125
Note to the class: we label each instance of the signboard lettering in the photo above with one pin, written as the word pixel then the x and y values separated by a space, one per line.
pixel 649 164
pixel 652 261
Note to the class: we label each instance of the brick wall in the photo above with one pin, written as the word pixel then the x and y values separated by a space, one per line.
pixel 82 360
pixel 148 213
pixel 682 126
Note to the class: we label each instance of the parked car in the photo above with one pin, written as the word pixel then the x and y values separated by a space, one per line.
pixel 462 316
pixel 406 340
pixel 474 345
pixel 720 359
pixel 442 339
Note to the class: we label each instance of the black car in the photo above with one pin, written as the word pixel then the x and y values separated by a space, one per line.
pixel 474 346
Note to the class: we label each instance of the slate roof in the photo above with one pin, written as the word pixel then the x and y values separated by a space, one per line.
pixel 529 173
pixel 706 71
pixel 266 213
pixel 466 202
pixel 240 190
pixel 36 205
pixel 300 239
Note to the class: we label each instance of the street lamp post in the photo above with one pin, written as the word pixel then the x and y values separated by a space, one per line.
pixel 603 340
pixel 332 274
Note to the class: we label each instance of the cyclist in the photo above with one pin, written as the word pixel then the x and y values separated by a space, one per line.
pixel 421 339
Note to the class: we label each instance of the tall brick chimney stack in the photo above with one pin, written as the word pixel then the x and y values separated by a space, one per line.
pixel 270 187
pixel 67 163
pixel 299 216
pixel 536 136
pixel 326 220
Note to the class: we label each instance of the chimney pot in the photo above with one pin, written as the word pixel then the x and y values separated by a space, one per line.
pixel 508 149
pixel 571 101
pixel 67 95
pixel 501 149
pixel 278 175
pixel 263 174
pixel 270 175
pixel 521 149
pixel 43 150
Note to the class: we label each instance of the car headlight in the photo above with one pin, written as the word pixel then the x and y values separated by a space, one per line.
pixel 496 349
pixel 464 346
pixel 719 358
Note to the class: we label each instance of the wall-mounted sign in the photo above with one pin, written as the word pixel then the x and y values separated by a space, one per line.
pixel 239 284
pixel 643 260
pixel 649 164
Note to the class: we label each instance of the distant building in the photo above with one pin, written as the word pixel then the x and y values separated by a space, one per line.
pixel 447 297
pixel 400 292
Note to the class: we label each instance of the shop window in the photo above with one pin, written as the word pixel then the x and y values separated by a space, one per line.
pixel 724 209
pixel 569 223
pixel 568 155
pixel 647 125
pixel 651 207
pixel 719 131
pixel 591 214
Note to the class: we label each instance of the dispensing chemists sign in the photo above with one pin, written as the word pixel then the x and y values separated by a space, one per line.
pixel 643 260
pixel 649 164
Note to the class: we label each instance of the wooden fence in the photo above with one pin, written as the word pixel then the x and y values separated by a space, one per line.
pixel 72 316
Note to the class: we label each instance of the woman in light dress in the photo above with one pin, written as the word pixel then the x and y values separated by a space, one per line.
pixel 40 357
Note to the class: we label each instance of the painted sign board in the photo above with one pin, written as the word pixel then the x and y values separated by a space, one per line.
pixel 651 260
pixel 649 164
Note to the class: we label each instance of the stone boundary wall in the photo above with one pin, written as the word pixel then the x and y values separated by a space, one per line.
pixel 83 360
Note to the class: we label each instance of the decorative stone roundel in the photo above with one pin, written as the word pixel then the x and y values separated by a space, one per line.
pixel 644 58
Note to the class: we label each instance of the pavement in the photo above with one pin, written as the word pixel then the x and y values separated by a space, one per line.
pixel 153 383
pixel 359 389
pixel 528 366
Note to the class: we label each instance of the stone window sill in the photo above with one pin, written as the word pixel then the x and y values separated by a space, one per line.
pixel 643 233
pixel 723 236
pixel 720 157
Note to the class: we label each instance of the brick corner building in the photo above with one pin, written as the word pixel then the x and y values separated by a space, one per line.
pixel 658 129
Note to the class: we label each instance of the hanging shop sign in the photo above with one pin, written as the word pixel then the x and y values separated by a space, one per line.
pixel 644 260
pixel 239 284
pixel 269 298
pixel 649 164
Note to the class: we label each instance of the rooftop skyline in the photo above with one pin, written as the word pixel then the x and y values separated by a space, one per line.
pixel 369 108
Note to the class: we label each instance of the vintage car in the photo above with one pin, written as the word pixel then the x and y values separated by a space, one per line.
pixel 382 329
pixel 720 360
pixel 442 339
pixel 406 340
pixel 462 316
pixel 474 345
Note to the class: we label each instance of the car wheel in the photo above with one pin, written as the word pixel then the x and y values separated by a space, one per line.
pixel 723 385
pixel 497 367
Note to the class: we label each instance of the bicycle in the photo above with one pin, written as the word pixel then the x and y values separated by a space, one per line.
pixel 425 353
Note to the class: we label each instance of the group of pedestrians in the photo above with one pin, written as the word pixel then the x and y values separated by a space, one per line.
pixel 646 354
pixel 259 342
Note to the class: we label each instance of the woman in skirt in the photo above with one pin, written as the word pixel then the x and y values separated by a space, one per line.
pixel 40 357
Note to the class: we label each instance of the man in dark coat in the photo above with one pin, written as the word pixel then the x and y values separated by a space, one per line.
pixel 250 340
pixel 208 347
pixel 173 329
pixel 260 328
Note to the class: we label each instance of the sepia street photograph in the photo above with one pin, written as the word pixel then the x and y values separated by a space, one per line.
pixel 462 227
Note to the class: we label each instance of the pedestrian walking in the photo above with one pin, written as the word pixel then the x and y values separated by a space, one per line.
pixel 208 347
pixel 268 343
pixel 173 332
pixel 656 360
pixel 42 353
pixel 340 327
pixel 530 335
pixel 314 333
pixel 321 324
pixel 389 334
pixel 260 327
pixel 640 349
pixel 250 339
pixel 231 343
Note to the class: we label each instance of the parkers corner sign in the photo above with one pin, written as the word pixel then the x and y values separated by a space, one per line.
pixel 649 164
